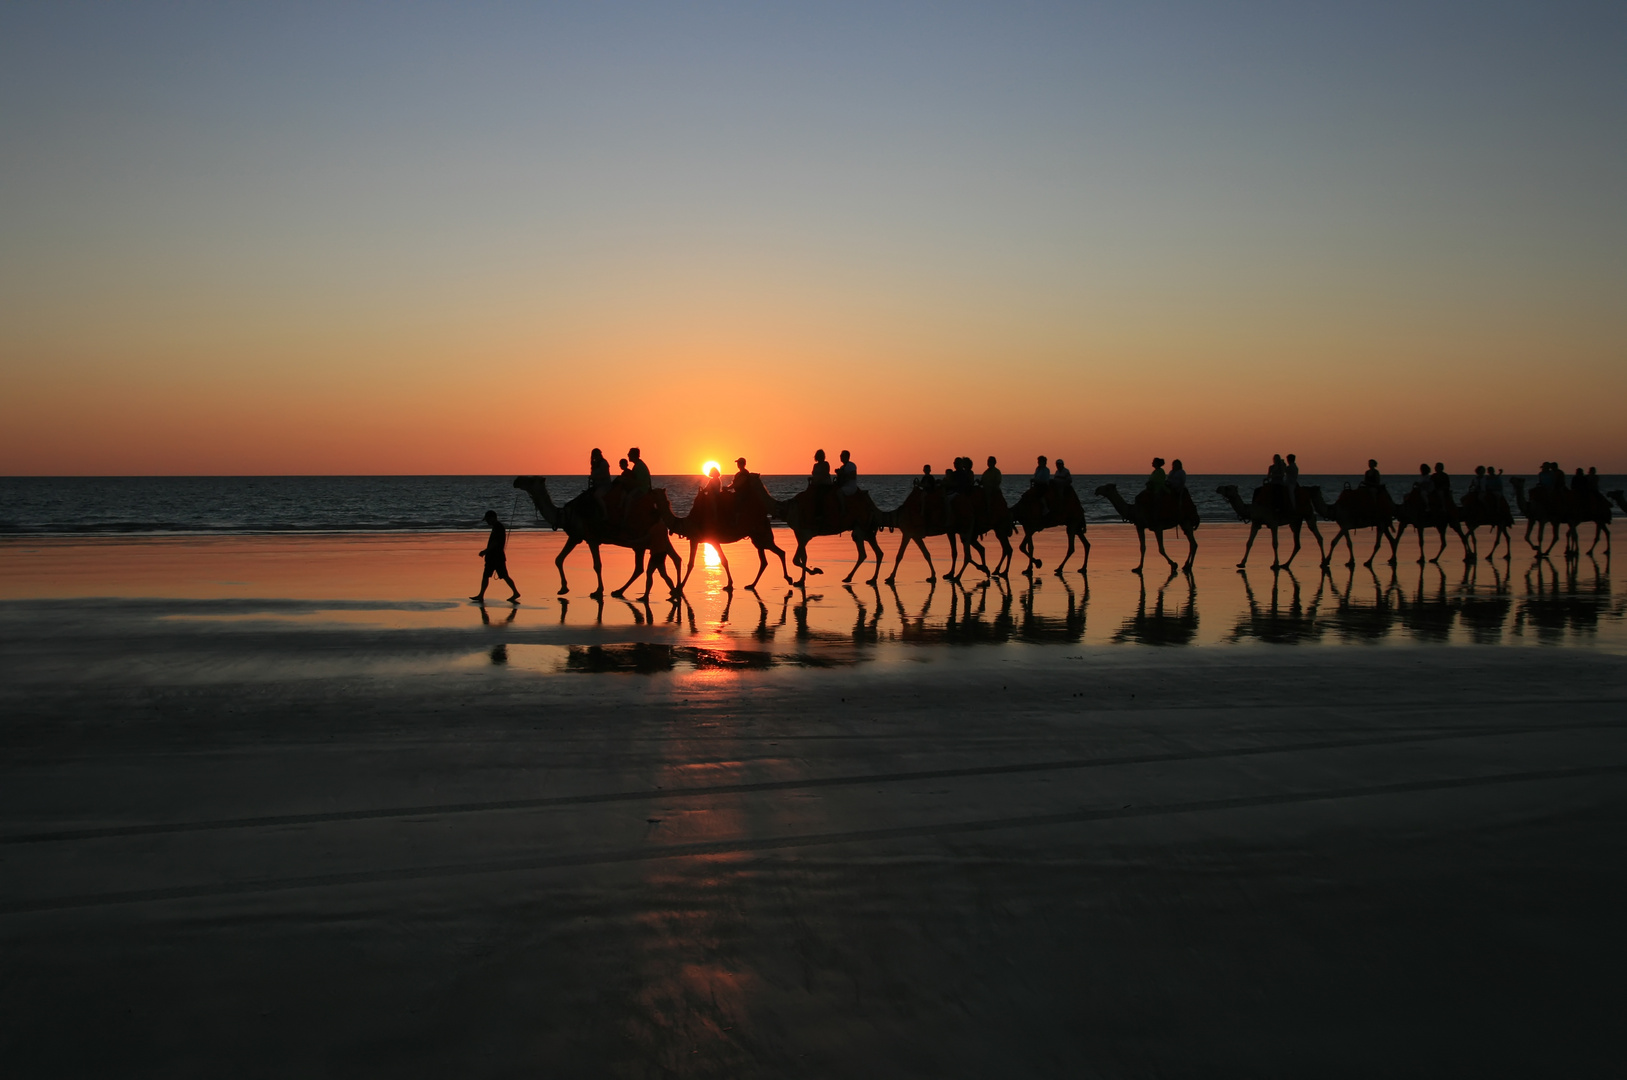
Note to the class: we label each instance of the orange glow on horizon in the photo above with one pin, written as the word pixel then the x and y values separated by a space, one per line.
pixel 706 470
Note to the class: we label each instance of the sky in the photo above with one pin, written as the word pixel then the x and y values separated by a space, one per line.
pixel 483 238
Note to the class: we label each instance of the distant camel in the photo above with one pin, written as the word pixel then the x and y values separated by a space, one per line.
pixel 720 518
pixel 1415 512
pixel 640 529
pixel 1590 506
pixel 1036 513
pixel 1358 508
pixel 858 515
pixel 1265 512
pixel 1481 509
pixel 925 514
pixel 1157 514
pixel 1542 508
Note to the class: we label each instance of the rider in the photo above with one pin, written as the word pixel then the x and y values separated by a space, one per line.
pixel 1063 478
pixel 927 482
pixel 639 482
pixel 1157 480
pixel 1042 474
pixel 713 484
pixel 991 478
pixel 598 477
pixel 1177 480
pixel 742 478
pixel 1443 487
pixel 847 479
pixel 1276 481
pixel 1372 478
pixel 1290 473
pixel 822 484
pixel 1424 486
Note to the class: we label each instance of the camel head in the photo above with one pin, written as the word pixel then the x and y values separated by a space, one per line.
pixel 1107 491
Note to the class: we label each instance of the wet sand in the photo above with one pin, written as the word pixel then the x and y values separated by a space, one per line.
pixel 324 840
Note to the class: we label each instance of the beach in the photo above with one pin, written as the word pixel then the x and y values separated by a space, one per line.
pixel 349 836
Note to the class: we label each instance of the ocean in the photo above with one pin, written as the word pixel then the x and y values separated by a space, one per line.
pixel 79 505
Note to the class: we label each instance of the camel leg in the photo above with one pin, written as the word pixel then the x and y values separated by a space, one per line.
pixel 1026 546
pixel 1003 567
pixel 903 546
pixel 638 568
pixel 954 554
pixel 1158 535
pixel 1067 554
pixel 598 572
pixel 1276 552
pixel 728 575
pixel 1084 558
pixel 1317 533
pixel 1254 530
pixel 931 571
pixel 559 562
pixel 1141 538
pixel 875 547
pixel 690 569
pixel 973 544
pixel 1191 548
pixel 776 549
pixel 1468 555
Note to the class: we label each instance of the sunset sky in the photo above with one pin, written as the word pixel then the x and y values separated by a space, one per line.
pixel 405 238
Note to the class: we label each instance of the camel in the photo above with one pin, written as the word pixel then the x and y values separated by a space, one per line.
pixel 1036 513
pixel 926 514
pixel 1415 513
pixel 1265 512
pixel 1591 506
pixel 1491 511
pixel 1157 514
pixel 720 518
pixel 859 515
pixel 1542 509
pixel 640 529
pixel 1358 508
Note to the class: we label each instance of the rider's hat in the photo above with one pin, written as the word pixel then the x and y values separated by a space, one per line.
pixel 739 461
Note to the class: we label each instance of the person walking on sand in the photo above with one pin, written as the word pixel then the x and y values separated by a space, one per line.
pixel 496 560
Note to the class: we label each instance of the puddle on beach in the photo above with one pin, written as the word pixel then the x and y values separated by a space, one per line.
pixel 310 585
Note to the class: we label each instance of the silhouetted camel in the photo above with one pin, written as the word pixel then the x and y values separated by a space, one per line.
pixel 640 528
pixel 1589 506
pixel 1265 512
pixel 923 515
pixel 858 515
pixel 1542 509
pixel 1358 508
pixel 1480 509
pixel 720 518
pixel 1415 512
pixel 1156 515
pixel 1036 513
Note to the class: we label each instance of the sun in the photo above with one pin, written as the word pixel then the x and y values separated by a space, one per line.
pixel 706 470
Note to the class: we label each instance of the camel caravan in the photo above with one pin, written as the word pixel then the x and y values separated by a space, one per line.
pixel 964 507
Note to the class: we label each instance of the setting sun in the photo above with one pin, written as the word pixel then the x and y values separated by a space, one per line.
pixel 706 470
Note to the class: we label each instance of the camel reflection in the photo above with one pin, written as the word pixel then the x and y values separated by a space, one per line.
pixel 1359 617
pixel 1484 615
pixel 1278 622
pixel 1566 599
pixel 1165 624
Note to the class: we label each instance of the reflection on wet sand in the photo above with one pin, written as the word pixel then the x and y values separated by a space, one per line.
pixel 1483 604
pixel 1174 624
